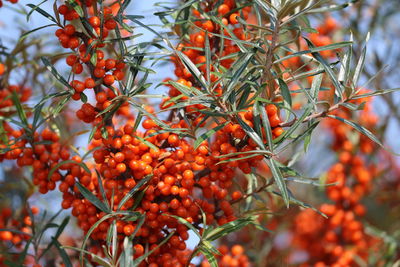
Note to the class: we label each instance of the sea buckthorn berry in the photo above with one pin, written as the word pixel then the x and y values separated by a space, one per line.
pixel 110 63
pixel 90 83
pixel 108 79
pixel 99 72
pixel 119 157
pixel 129 229
pixel 121 167
pixel 188 174
pixel 208 26
pixel 118 74
pixel 110 24
pixel 271 109
pixel 223 9
pixel 278 131
pixel 94 21
pixel 233 18
pixel 71 60
pixel 69 29
pixel 63 9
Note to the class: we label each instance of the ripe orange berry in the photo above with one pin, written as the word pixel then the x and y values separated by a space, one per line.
pixel 70 60
pixel 90 83
pixel 2 69
pixel 129 229
pixel 208 26
pixel 121 167
pixel 236 195
pixel 237 250
pixel 108 79
pixel 110 63
pixel 99 72
pixel 188 174
pixel 233 18
pixel 6 235
pixel 94 21
pixel 119 157
pixel 110 24
pixel 69 29
pixel 223 9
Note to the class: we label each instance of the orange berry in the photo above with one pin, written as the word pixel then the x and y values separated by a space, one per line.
pixel 108 79
pixel 223 9
pixel 94 21
pixel 233 18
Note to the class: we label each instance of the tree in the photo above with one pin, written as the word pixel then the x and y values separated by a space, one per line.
pixel 195 170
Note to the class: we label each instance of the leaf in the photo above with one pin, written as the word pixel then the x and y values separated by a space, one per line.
pixel 302 204
pixel 186 223
pixel 92 198
pixel 207 135
pixel 314 49
pixel 76 7
pixel 316 84
pixel 360 65
pixel 339 88
pixel 331 8
pixel 285 91
pixel 26 34
pixel 66 260
pixel 56 236
pixel 41 11
pixel 141 258
pixel 209 256
pixel 95 258
pixel 192 69
pixel 83 165
pixel 279 180
pixel 375 93
pixel 250 132
pixel 345 64
pixel 55 73
pixel 228 228
pixel 134 190
pixel 147 143
pixel 364 131
pixel 238 69
pixel 20 109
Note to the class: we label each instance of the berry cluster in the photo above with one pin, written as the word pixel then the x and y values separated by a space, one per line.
pixel 20 229
pixel 233 257
pixel 343 233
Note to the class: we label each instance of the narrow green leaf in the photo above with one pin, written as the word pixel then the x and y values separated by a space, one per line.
pixel 209 256
pixel 251 133
pixel 364 131
pixel 228 228
pixel 339 88
pixel 66 260
pixel 266 125
pixel 55 73
pixel 207 135
pixel 360 66
pixel 279 180
pixel 134 190
pixel 186 223
pixel 41 11
pixel 92 198
pixel 193 69
pixel 20 109
pixel 285 92
pixel 83 165
pixel 375 93
pixel 26 34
